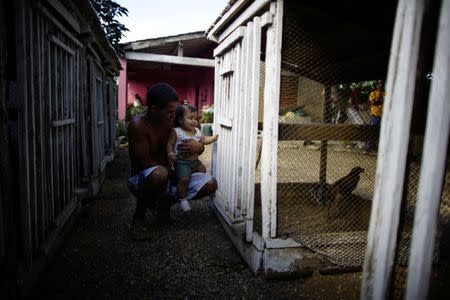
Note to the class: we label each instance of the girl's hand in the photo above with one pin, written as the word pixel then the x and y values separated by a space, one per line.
pixel 215 137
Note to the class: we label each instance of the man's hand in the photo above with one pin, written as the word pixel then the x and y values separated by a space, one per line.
pixel 190 147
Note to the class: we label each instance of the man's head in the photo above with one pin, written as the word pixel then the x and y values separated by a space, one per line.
pixel 162 100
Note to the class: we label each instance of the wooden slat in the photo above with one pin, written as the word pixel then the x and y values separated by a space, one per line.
pixel 61 44
pixel 393 147
pixel 43 199
pixel 84 128
pixel 60 123
pixel 269 166
pixel 253 128
pixel 238 110
pixel 236 94
pixel 58 134
pixel 244 110
pixel 432 171
pixel 215 129
pixel 21 9
pixel 31 135
pixel 93 113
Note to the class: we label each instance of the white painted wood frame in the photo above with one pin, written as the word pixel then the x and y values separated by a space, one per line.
pixel 233 109
pixel 245 16
pixel 252 124
pixel 433 165
pixel 224 118
pixel 269 150
pixel 240 110
pixel 394 136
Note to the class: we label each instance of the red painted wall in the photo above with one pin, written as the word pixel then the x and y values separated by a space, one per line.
pixel 186 83
pixel 122 91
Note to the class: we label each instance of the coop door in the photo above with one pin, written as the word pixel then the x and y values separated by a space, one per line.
pixel 236 120
pixel 97 110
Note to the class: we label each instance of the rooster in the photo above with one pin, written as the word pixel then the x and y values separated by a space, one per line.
pixel 341 188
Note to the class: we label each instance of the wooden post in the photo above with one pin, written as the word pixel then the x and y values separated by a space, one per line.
pixel 433 165
pixel 326 117
pixel 394 137
pixel 254 75
pixel 5 168
pixel 22 60
pixel 270 131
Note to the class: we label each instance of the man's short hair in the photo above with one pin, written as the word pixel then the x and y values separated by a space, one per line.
pixel 160 95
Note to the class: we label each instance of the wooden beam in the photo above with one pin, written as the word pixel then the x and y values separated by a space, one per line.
pixel 326 132
pixel 235 37
pixel 233 11
pixel 168 59
pixel 432 171
pixel 53 19
pixel 270 133
pixel 140 45
pixel 393 147
pixel 60 8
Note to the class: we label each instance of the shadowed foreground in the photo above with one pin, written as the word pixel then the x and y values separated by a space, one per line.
pixel 192 257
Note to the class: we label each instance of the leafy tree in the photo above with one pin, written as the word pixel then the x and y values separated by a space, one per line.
pixel 107 11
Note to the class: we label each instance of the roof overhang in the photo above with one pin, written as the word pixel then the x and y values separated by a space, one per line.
pixel 170 59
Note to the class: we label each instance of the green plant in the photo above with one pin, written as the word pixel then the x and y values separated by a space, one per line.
pixel 207 114
pixel 121 129
pixel 134 110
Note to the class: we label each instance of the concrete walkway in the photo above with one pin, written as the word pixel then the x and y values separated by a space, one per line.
pixel 190 258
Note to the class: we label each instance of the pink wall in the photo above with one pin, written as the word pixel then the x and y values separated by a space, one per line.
pixel 122 92
pixel 185 83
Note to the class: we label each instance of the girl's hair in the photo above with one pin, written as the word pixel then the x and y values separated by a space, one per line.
pixel 179 112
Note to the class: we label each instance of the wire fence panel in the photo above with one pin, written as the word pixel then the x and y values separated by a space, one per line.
pixel 326 149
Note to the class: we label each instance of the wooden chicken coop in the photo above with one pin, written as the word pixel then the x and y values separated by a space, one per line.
pixel 294 120
pixel 58 102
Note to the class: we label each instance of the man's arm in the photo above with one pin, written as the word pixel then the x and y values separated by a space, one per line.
pixel 170 145
pixel 139 146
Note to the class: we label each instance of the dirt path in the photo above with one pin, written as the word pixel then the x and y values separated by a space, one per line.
pixel 191 258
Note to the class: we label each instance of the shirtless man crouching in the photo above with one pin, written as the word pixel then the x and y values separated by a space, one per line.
pixel 148 135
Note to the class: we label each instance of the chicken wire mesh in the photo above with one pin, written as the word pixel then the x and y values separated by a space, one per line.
pixel 326 156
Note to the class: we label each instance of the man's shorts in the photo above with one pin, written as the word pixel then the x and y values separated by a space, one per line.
pixel 198 180
pixel 184 168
